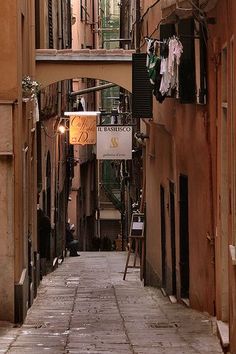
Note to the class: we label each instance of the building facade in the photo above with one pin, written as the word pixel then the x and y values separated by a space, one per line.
pixel 82 205
pixel 54 155
pixel 190 159
pixel 18 159
pixel 33 155
pixel 95 206
pixel 187 162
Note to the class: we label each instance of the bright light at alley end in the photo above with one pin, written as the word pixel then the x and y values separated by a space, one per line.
pixel 82 129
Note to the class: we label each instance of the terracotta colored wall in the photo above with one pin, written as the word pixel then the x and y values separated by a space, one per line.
pixel 183 149
pixel 203 149
pixel 18 218
pixel 158 166
pixel 221 35
pixel 9 58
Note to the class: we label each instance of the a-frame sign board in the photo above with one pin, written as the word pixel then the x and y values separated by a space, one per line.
pixel 137 234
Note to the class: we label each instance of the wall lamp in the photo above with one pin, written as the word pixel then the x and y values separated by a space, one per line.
pixel 61 129
pixel 141 136
pixel 63 125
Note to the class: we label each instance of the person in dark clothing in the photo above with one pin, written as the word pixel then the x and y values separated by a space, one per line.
pixel 71 243
pixel 44 234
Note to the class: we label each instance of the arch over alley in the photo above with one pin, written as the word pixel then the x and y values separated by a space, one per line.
pixel 113 66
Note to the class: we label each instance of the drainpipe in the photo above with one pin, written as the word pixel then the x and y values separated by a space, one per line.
pixel 60 45
pixel 57 140
pixel 122 23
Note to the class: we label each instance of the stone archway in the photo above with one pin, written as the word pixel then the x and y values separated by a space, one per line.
pixel 110 66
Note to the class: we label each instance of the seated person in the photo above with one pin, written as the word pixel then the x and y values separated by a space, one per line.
pixel 71 243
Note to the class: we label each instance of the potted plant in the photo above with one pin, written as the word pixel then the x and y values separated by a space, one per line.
pixel 30 89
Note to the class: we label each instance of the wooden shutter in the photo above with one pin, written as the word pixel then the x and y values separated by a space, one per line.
pixel 37 24
pixel 50 25
pixel 202 94
pixel 187 87
pixel 141 88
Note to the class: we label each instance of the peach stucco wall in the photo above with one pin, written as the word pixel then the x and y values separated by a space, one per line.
pixel 180 145
pixel 222 38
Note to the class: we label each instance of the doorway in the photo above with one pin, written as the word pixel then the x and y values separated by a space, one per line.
pixel 184 236
pixel 172 236
pixel 224 210
pixel 163 235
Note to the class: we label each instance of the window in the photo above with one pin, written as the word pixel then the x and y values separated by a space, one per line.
pixel 193 63
pixel 50 25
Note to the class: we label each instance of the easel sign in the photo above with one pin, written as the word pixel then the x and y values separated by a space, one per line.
pixel 136 234
pixel 137 225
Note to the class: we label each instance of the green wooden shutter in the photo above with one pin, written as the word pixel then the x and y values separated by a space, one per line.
pixel 141 88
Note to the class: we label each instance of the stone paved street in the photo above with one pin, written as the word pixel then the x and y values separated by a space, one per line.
pixel 85 307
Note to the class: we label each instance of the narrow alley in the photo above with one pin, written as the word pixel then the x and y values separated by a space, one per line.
pixel 84 306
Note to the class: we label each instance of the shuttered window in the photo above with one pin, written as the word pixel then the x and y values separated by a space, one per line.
pixel 193 63
pixel 141 88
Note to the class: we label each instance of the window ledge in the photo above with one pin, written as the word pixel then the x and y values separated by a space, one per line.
pixel 232 251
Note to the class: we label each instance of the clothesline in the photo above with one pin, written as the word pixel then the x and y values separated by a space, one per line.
pixel 180 36
pixel 153 39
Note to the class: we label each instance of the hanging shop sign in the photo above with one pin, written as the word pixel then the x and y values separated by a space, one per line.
pixel 82 128
pixel 114 142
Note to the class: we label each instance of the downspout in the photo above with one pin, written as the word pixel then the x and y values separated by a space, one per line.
pixel 211 238
pixel 122 23
pixel 60 46
pixel 94 47
pixel 57 140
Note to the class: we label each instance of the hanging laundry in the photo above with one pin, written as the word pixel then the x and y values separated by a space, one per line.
pixel 151 60
pixel 165 80
pixel 169 67
pixel 156 90
pixel 163 68
pixel 153 66
pixel 175 52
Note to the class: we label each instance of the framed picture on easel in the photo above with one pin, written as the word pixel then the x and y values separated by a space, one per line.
pixel 137 225
pixel 136 234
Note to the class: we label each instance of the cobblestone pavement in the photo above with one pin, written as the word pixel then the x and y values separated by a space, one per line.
pixel 84 306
